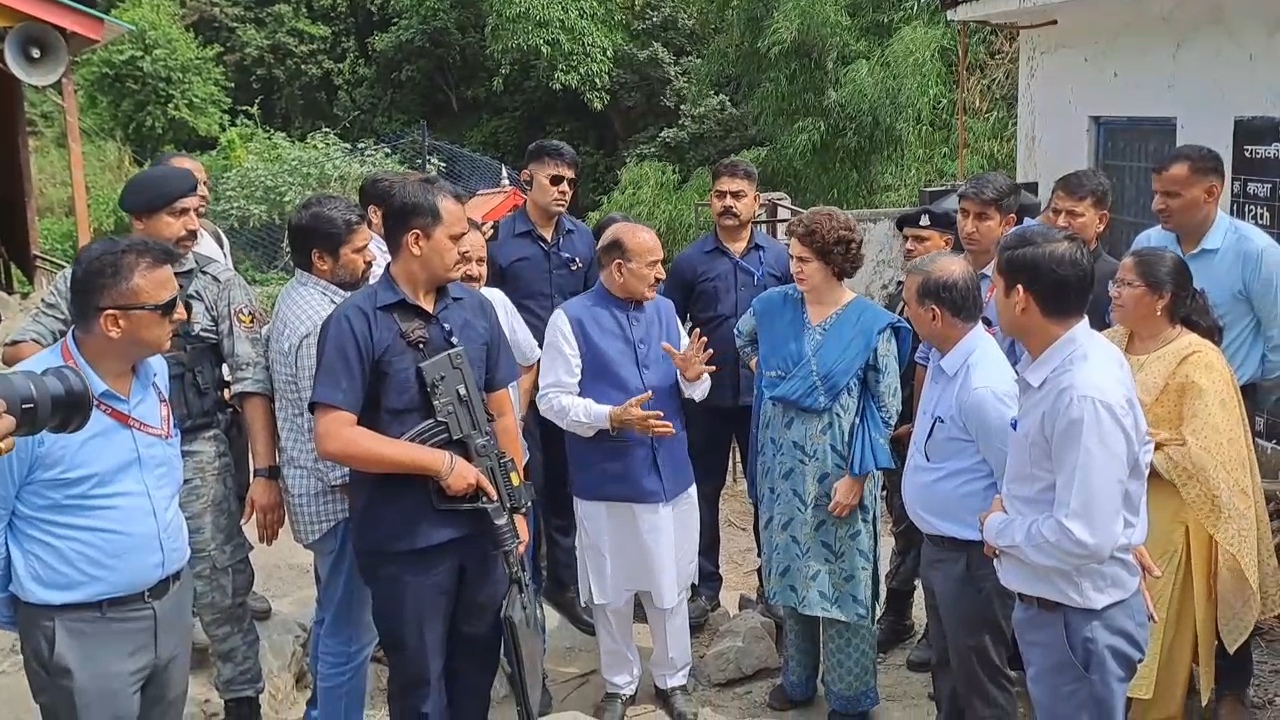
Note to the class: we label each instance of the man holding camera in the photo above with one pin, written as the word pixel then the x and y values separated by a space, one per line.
pixel 224 327
pixel 436 582
pixel 93 544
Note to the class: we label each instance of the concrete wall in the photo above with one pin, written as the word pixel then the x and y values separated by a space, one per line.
pixel 882 250
pixel 1200 61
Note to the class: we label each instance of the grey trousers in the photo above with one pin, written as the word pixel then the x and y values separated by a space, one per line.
pixel 130 661
pixel 970 617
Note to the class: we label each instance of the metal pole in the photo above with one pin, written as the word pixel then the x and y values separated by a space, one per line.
pixel 961 91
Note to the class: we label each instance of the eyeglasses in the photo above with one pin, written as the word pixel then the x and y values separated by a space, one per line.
pixel 168 308
pixel 1122 285
pixel 555 180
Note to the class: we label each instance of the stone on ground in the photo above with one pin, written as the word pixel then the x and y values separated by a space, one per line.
pixel 746 645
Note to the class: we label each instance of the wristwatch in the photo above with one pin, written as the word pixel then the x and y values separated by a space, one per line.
pixel 270 472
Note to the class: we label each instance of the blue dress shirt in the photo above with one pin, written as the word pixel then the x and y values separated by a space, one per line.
pixel 711 288
pixel 1238 267
pixel 92 515
pixel 364 367
pixel 956 460
pixel 1075 488
pixel 538 273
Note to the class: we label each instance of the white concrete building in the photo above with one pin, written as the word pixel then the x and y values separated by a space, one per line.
pixel 1114 84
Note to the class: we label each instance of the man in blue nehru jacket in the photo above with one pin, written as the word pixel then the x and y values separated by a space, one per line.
pixel 613 379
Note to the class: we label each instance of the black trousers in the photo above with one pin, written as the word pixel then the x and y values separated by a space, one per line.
pixel 711 432
pixel 970 618
pixel 904 562
pixel 548 471
pixel 437 611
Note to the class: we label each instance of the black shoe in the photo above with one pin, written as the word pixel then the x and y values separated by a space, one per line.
pixel 242 709
pixel 892 631
pixel 700 610
pixel 259 606
pixel 920 659
pixel 570 607
pixel 677 702
pixel 780 701
pixel 546 705
pixel 613 706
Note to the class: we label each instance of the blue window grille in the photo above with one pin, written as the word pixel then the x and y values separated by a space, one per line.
pixel 1126 149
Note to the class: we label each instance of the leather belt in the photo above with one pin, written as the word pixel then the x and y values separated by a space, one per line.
pixel 1040 603
pixel 153 594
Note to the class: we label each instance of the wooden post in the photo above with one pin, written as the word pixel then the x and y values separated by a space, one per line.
pixel 75 158
pixel 962 89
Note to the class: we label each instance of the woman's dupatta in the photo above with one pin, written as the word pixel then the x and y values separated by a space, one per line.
pixel 789 373
pixel 1204 447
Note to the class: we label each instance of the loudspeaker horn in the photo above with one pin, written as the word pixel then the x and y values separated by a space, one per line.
pixel 36 53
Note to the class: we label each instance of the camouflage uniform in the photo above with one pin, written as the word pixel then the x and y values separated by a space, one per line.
pixel 223 312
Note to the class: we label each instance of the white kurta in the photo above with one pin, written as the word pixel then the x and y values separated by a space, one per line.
pixel 625 549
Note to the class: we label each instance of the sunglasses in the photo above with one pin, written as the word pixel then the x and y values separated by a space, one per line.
pixel 555 180
pixel 168 308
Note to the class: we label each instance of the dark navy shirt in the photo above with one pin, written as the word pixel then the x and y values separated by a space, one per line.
pixel 364 367
pixel 711 289
pixel 539 275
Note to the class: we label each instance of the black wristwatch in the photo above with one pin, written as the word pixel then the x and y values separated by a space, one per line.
pixel 270 472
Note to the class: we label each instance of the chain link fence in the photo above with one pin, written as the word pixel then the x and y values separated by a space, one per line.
pixel 253 199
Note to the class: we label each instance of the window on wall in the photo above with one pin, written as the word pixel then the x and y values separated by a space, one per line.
pixel 1126 149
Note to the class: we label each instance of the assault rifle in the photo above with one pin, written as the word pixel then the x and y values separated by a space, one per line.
pixel 462 425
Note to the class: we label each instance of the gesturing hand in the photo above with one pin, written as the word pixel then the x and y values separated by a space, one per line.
pixel 632 415
pixel 692 361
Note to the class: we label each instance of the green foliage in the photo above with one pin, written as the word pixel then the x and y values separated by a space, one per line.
pixel 658 195
pixel 261 174
pixel 158 87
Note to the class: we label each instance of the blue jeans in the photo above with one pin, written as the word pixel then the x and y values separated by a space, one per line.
pixel 342 634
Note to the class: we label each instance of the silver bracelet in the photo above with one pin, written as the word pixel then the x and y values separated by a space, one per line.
pixel 450 463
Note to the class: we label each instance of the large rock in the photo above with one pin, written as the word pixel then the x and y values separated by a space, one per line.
pixel 283 652
pixel 745 646
pixel 575 715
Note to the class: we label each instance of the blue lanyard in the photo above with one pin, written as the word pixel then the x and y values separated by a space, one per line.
pixel 757 274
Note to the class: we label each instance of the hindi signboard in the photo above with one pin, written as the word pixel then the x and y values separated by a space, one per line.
pixel 1255 172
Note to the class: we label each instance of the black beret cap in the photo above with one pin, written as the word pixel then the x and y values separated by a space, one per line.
pixel 928 218
pixel 156 188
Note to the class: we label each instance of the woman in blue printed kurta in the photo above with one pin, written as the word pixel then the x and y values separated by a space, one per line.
pixel 826 363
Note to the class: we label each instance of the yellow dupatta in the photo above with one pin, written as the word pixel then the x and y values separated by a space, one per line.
pixel 1203 446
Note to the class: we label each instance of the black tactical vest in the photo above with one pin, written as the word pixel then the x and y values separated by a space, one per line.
pixel 196 383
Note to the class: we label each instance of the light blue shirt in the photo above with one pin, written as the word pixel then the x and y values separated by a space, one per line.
pixel 1075 489
pixel 1013 352
pixel 92 515
pixel 956 460
pixel 1238 267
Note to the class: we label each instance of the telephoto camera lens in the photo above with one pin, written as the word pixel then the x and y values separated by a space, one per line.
pixel 57 400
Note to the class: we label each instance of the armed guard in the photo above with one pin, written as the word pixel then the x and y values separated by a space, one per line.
pixel 224 326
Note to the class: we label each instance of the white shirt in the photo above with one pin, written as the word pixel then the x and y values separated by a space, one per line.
pixel 206 245
pixel 523 346
pixel 561 371
pixel 1075 487
pixel 381 256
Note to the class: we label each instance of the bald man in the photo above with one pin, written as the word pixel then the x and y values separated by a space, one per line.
pixel 613 379
pixel 955 466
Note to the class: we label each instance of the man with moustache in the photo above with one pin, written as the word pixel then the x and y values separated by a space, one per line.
pixel 224 327
pixel 711 284
pixel 93 545
pixel 329 245
pixel 924 230
pixel 606 381
pixel 435 577
pixel 212 242
pixel 1081 202
pixel 540 256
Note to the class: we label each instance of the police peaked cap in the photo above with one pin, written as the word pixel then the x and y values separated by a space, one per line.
pixel 156 188
pixel 928 218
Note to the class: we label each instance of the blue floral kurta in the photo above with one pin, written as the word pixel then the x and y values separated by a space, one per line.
pixel 814 562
